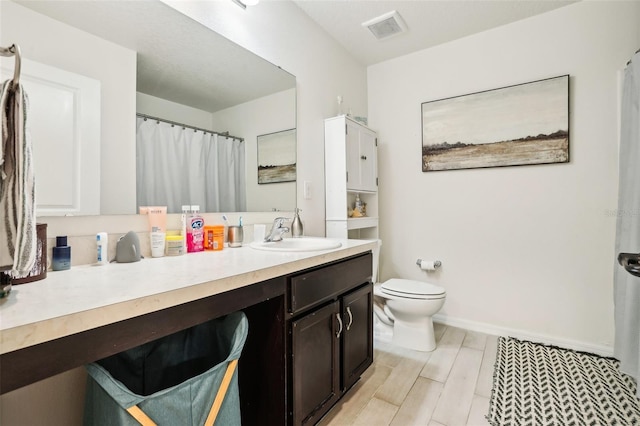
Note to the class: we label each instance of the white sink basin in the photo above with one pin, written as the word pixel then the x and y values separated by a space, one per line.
pixel 297 244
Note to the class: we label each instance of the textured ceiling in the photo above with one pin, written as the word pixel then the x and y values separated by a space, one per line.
pixel 178 58
pixel 429 22
pixel 185 62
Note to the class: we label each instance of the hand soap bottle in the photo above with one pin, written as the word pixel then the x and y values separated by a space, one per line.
pixel 296 226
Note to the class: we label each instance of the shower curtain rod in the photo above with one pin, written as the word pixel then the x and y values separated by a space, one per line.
pixel 186 126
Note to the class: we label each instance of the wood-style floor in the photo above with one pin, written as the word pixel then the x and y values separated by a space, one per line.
pixel 450 386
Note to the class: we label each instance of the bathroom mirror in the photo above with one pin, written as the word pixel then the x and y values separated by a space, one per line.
pixel 168 66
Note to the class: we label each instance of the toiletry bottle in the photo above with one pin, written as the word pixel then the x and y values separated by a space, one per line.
pixel 157 229
pixel 174 245
pixel 186 210
pixel 296 225
pixel 358 203
pixel 188 238
pixel 195 231
pixel 102 241
pixel 61 255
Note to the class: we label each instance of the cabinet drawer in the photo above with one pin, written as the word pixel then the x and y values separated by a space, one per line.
pixel 319 285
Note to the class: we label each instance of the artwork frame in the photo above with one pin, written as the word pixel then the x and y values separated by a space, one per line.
pixel 522 124
pixel 277 157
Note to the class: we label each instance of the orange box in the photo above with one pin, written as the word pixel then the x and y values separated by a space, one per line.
pixel 214 237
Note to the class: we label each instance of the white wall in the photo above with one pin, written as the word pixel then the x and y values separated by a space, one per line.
pixel 162 108
pixel 249 120
pixel 50 42
pixel 525 250
pixel 283 34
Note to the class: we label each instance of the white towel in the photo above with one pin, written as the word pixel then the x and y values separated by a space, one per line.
pixel 17 185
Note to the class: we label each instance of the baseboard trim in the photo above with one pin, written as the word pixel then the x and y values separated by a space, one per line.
pixel 601 350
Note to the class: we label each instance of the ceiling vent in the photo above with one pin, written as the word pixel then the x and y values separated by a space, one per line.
pixel 386 25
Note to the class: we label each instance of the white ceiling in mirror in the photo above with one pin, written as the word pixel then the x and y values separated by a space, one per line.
pixel 212 74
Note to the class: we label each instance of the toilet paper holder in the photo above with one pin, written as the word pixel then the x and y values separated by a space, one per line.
pixel 436 264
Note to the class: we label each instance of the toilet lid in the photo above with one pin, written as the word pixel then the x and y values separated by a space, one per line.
pixel 412 289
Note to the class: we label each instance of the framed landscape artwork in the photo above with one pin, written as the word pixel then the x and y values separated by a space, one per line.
pixel 511 126
pixel 277 157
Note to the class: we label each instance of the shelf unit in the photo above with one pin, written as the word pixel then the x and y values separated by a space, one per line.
pixel 350 168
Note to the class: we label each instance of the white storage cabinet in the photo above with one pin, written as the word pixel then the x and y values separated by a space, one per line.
pixel 351 167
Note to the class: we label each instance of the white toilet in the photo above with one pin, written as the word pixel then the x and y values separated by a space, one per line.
pixel 403 311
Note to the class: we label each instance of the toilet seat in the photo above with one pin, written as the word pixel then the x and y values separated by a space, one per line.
pixel 411 289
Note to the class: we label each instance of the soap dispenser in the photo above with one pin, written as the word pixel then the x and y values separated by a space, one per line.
pixel 296 225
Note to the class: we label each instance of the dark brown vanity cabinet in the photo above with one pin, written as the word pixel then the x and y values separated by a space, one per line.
pixel 310 338
pixel 331 331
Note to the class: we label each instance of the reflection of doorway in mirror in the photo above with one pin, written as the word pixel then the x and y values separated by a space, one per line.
pixel 64 126
pixel 277 157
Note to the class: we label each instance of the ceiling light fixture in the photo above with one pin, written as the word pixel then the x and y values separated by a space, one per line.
pixel 244 3
pixel 387 25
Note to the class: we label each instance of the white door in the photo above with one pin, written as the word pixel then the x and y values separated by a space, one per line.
pixel 64 124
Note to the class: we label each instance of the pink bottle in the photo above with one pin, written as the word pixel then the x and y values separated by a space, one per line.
pixel 195 231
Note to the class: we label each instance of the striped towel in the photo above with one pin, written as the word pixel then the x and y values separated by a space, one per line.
pixel 17 186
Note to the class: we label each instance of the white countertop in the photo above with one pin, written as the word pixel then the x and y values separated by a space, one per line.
pixel 86 297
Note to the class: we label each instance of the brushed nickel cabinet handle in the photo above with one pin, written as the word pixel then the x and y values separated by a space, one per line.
pixel 350 317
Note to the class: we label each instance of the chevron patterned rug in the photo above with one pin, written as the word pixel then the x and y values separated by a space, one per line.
pixel 537 385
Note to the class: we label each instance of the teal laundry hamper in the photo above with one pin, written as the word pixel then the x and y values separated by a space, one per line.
pixel 187 378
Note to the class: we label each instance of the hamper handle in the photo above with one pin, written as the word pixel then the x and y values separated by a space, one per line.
pixel 140 416
pixel 222 391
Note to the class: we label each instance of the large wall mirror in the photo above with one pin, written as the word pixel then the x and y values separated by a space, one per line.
pixel 144 58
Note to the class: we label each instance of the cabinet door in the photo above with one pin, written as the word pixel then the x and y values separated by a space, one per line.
pixel 368 160
pixel 315 363
pixel 361 151
pixel 352 146
pixel 357 316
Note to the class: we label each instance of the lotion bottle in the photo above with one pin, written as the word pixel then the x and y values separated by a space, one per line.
pixel 297 229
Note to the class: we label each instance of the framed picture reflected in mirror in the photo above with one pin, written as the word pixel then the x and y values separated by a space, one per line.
pixel 277 157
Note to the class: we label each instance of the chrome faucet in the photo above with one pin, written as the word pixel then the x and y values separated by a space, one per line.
pixel 277 229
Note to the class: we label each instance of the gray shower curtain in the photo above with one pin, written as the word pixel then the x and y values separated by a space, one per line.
pixel 177 166
pixel 627 286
